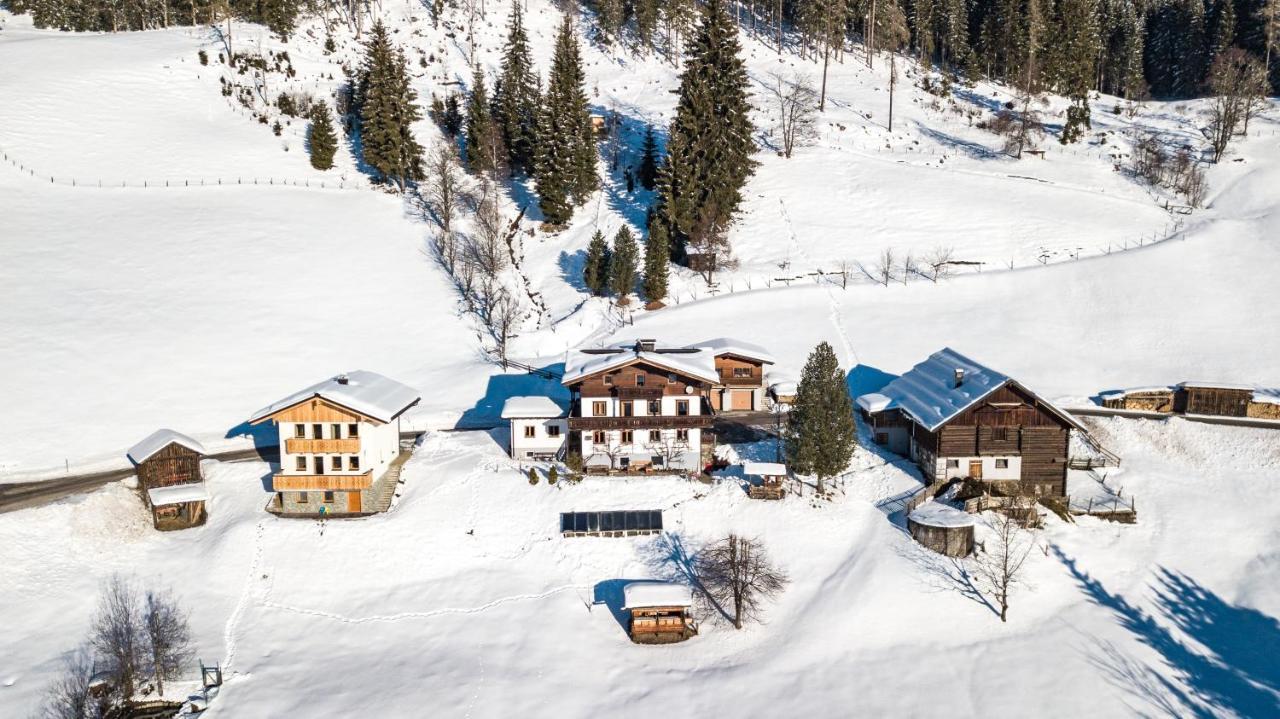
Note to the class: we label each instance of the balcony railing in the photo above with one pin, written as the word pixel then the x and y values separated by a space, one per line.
pixel 639 392
pixel 657 421
pixel 731 381
pixel 298 445
pixel 316 482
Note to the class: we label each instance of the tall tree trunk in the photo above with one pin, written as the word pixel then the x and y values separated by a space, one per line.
pixel 822 98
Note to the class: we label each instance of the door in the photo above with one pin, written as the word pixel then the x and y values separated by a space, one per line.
pixel 353 502
pixel 715 399
pixel 975 468
pixel 741 399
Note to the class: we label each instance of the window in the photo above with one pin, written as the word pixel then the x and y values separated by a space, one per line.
pixel 335 431
pixel 317 431
pixel 655 435
pixel 300 463
pixel 599 409
pixel 640 377
pixel 671 379
pixel 319 465
pixel 553 430
pixel 655 406
pixel 300 431
pixel 1000 434
pixel 353 431
pixel 530 431
pixel 682 435
pixel 353 463
pixel 953 464
pixel 1002 464
pixel 336 463
pixel 597 437
pixel 328 497
pixel 741 371
pixel 628 409
pixel 302 498
pixel 656 460
pixel 682 407
pixel 608 379
pixel 628 436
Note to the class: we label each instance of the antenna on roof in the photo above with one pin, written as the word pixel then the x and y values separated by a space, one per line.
pixel 959 376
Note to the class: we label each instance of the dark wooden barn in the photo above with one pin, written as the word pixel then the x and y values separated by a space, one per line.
pixel 1221 400
pixel 170 480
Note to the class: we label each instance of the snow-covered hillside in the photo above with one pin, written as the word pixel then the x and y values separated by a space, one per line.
pixel 169 261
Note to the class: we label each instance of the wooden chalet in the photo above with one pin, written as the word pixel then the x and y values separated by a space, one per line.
pixel 958 419
pixel 740 367
pixel 170 480
pixel 640 407
pixel 660 612
pixel 772 477
pixel 339 445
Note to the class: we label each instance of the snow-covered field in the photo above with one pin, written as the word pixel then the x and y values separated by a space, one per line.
pixel 130 308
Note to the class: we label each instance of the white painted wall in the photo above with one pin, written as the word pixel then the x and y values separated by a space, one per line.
pixel 379 446
pixel 989 470
pixel 542 442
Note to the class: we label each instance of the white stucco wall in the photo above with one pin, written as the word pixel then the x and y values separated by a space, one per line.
pixel 542 442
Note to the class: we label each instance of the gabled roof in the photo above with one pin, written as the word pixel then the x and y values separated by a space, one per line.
pixel 721 346
pixel 579 365
pixel 656 594
pixel 532 407
pixel 363 392
pixel 929 395
pixel 160 439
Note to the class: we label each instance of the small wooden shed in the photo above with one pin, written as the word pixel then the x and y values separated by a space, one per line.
pixel 946 530
pixel 661 612
pixel 1145 399
pixel 1214 398
pixel 772 476
pixel 170 480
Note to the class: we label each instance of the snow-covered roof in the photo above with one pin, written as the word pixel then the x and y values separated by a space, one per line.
pixel 368 393
pixel 701 365
pixel 1217 385
pixel 937 514
pixel 729 346
pixel 1267 396
pixel 765 469
pixel 532 407
pixel 784 387
pixel 930 395
pixel 874 402
pixel 178 494
pixel 160 439
pixel 656 594
pixel 1135 390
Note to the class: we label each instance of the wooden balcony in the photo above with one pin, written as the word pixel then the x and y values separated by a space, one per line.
pixel 728 380
pixel 653 421
pixel 638 392
pixel 318 482
pixel 296 445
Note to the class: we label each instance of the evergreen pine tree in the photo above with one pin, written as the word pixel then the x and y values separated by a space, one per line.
pixel 387 112
pixel 820 433
pixel 646 14
pixel 517 100
pixel 1224 29
pixel 483 153
pixel 623 265
pixel 710 144
pixel 565 168
pixel 323 140
pixel 595 273
pixel 657 255
pixel 648 172
pixel 1074 62
pixel 610 15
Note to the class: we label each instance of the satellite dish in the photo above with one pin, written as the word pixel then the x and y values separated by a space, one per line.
pixel 688 389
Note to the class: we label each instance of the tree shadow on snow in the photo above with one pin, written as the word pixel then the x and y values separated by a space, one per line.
pixel 669 560
pixel 943 574
pixel 1222 656
pixel 626 137
pixel 972 149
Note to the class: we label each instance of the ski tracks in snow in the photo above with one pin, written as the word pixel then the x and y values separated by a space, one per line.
pixel 837 315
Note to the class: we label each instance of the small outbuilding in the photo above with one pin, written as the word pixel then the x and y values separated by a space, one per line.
pixel 170 480
pixel 539 427
pixel 661 612
pixel 772 476
pixel 1144 399
pixel 946 530
pixel 1219 399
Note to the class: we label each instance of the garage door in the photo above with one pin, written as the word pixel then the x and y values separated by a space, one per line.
pixel 741 399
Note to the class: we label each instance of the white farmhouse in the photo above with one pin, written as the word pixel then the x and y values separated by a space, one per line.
pixel 539 427
pixel 339 444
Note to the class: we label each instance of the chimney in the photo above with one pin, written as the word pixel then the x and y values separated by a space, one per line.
pixel 342 379
pixel 646 345
pixel 959 377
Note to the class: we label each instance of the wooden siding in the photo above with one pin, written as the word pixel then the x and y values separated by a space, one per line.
pixel 624 379
pixel 174 464
pixel 1009 406
pixel 1215 401
pixel 296 445
pixel 318 482
pixel 725 365
pixel 318 410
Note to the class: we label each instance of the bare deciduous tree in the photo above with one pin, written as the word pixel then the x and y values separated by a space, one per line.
pixel 502 315
pixel 938 261
pixel 117 634
pixel 999 567
pixel 795 102
pixel 168 635
pixel 1020 125
pixel 444 190
pixel 910 266
pixel 736 572
pixel 69 695
pixel 1236 80
pixel 886 266
pixel 1188 178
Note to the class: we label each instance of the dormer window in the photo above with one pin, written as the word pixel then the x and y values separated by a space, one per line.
pixel 671 378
